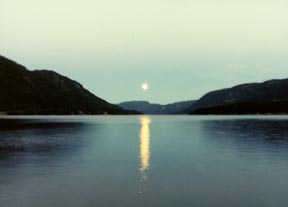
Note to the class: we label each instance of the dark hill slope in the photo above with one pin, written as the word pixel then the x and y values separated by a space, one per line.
pixel 261 107
pixel 46 92
pixel 267 97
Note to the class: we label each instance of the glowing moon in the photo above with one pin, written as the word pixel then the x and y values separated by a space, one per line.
pixel 145 86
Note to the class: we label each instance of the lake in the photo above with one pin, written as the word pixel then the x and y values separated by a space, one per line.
pixel 51 161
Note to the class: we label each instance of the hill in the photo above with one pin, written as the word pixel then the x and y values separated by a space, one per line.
pixel 46 92
pixel 253 98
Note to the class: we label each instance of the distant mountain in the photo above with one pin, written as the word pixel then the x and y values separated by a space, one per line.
pixel 148 108
pixel 46 92
pixel 267 97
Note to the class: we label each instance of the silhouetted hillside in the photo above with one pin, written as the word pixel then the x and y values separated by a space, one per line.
pixel 46 92
pixel 278 107
pixel 267 97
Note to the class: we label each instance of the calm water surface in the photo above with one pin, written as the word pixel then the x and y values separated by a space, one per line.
pixel 144 161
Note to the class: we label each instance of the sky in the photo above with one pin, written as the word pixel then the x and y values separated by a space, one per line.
pixel 181 48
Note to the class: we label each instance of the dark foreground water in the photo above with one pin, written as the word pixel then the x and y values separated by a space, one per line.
pixel 144 161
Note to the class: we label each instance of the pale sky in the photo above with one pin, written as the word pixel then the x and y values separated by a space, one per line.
pixel 181 48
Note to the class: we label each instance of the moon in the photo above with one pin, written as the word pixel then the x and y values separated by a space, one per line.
pixel 144 86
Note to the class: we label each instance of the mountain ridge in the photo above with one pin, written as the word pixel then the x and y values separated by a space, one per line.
pixel 267 95
pixel 46 92
pixel 152 108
